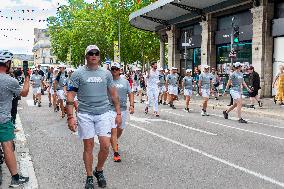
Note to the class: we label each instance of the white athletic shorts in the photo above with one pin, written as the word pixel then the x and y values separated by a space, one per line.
pixel 187 92
pixel 90 126
pixel 173 90
pixel 36 90
pixel 235 94
pixel 60 94
pixel 51 91
pixel 162 89
pixel 123 116
pixel 205 93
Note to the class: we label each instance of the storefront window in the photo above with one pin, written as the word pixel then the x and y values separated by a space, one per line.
pixel 193 59
pixel 244 55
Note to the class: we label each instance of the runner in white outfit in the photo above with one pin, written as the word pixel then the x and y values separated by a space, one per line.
pixel 153 89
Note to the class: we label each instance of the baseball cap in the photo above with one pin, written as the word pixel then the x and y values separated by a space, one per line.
pixel 61 66
pixel 161 69
pixel 91 47
pixel 237 64
pixel 174 68
pixel 206 66
pixel 188 70
pixel 115 64
pixel 251 68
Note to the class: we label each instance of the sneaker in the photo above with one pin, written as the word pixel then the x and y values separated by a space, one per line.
pixel 156 114
pixel 216 98
pixel 203 113
pixel 18 182
pixel 39 104
pixel 173 107
pixel 206 114
pixel 226 115
pixel 34 102
pixel 89 183
pixel 100 178
pixel 50 104
pixel 260 104
pixel 146 110
pixel 57 108
pixel 164 103
pixel 242 121
pixel 186 109
pixel 160 102
pixel 116 157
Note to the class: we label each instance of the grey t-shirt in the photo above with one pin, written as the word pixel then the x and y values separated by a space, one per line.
pixel 205 79
pixel 162 79
pixel 123 89
pixel 61 81
pixel 187 82
pixel 92 88
pixel 8 87
pixel 172 79
pixel 37 80
pixel 237 79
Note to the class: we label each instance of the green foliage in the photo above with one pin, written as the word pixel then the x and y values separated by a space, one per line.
pixel 80 24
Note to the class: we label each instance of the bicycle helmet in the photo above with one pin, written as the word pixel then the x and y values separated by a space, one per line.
pixel 6 59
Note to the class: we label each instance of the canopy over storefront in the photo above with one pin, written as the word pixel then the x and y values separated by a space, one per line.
pixel 163 13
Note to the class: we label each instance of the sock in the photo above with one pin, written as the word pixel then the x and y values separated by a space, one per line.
pixel 89 177
pixel 16 176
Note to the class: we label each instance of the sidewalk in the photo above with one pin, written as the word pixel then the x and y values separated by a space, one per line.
pixel 268 109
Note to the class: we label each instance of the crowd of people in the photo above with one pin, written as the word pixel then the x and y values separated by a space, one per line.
pixel 94 100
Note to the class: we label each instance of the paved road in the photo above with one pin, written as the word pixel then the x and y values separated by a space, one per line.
pixel 177 150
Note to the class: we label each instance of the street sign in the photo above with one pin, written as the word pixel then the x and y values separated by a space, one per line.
pixel 185 44
pixel 233 54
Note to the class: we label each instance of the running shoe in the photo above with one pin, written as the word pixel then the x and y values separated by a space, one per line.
pixel 216 98
pixel 34 102
pixel 18 182
pixel 173 107
pixel 260 104
pixel 203 113
pixel 116 157
pixel 160 102
pixel 100 178
pixel 206 114
pixel 156 114
pixel 164 103
pixel 242 121
pixel 89 183
pixel 226 115
pixel 146 110
pixel 50 104
pixel 39 104
pixel 57 108
pixel 186 109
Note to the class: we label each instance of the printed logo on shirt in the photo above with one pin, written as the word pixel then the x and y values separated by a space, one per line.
pixel 119 86
pixel 94 80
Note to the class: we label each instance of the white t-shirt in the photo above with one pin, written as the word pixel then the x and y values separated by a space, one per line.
pixel 153 79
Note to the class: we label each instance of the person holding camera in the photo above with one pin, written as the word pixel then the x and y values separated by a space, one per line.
pixel 8 88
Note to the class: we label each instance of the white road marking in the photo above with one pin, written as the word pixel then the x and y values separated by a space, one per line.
pixel 258 175
pixel 30 102
pixel 169 112
pixel 245 130
pixel 25 160
pixel 170 122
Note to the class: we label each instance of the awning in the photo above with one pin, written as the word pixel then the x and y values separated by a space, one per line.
pixel 164 13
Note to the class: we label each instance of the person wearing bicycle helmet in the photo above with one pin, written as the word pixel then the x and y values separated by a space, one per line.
pixel 8 88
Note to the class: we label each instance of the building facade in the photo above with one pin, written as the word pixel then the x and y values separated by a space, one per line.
pixel 19 58
pixel 42 48
pixel 199 33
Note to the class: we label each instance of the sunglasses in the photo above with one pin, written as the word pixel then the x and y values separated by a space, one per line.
pixel 92 53
pixel 114 69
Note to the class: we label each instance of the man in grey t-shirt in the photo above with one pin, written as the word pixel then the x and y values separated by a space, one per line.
pixel 172 86
pixel 92 84
pixel 8 88
pixel 124 90
pixel 37 83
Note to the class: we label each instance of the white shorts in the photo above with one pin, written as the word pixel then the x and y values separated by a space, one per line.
pixel 173 90
pixel 187 92
pixel 90 126
pixel 205 93
pixel 123 116
pixel 235 94
pixel 162 89
pixel 51 91
pixel 60 94
pixel 36 90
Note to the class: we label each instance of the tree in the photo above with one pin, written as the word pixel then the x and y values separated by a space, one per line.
pixel 80 24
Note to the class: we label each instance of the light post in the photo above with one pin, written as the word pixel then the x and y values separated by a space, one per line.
pixel 232 38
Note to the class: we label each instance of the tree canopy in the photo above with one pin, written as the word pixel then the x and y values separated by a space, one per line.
pixel 80 24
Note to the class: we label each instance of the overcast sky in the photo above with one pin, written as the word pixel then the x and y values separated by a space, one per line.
pixel 24 28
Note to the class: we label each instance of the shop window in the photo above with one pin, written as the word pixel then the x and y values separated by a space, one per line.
pixel 280 10
pixel 241 19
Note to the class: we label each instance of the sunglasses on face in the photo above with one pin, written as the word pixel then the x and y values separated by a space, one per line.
pixel 114 69
pixel 92 53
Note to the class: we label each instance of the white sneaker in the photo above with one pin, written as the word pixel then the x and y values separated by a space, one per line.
pixel 203 113
pixel 206 114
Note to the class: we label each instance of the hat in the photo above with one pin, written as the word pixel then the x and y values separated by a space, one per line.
pixel 61 66
pixel 161 69
pixel 91 47
pixel 166 70
pixel 237 64
pixel 206 66
pixel 251 68
pixel 174 68
pixel 188 70
pixel 115 64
